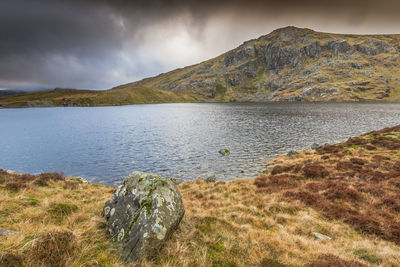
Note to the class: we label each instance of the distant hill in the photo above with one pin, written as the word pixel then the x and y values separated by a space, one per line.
pixel 4 93
pixel 289 64
pixel 112 97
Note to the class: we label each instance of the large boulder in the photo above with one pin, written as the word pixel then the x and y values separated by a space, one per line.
pixel 142 214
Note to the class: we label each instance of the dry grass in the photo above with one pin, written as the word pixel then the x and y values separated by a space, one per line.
pixel 55 220
pixel 345 191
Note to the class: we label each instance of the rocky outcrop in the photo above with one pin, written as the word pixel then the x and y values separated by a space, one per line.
pixel 285 64
pixel 143 213
pixel 338 46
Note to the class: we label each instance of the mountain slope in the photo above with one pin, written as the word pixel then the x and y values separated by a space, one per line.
pixel 112 97
pixel 292 64
pixel 289 64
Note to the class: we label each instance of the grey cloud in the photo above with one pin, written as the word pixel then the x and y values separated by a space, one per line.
pixel 102 43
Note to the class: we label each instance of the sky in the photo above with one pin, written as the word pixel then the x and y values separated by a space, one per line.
pixel 99 44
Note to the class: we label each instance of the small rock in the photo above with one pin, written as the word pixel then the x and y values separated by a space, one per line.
pixel 279 225
pixel 142 214
pixel 395 137
pixel 7 232
pixel 177 180
pixel 94 218
pixel 81 180
pixel 292 153
pixel 270 166
pixel 208 177
pixel 224 152
pixel 320 236
pixel 315 146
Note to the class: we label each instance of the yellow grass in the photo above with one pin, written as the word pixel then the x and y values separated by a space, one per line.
pixel 225 224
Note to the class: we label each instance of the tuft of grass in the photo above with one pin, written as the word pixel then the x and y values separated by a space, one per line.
pixel 59 211
pixel 366 255
pixel 11 258
pixel 53 248
pixel 32 201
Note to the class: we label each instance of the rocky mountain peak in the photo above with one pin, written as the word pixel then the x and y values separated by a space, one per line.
pixel 295 64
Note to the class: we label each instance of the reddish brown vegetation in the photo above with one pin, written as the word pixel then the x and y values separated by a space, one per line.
pixel 15 186
pixel 330 149
pixel 276 182
pixel 362 190
pixel 328 260
pixel 54 248
pixel 386 142
pixel 11 259
pixel 15 181
pixel 291 168
pixel 315 170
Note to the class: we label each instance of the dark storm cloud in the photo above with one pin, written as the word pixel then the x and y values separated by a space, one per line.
pixel 100 43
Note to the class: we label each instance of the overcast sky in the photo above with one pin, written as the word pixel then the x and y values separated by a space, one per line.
pixel 98 44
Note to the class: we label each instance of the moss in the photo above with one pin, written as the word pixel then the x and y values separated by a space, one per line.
pixel 366 255
pixel 220 90
pixel 146 203
pixel 267 262
pixel 216 248
pixel 131 224
pixel 32 201
pixel 224 151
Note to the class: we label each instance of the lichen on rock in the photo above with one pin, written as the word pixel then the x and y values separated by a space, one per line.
pixel 142 214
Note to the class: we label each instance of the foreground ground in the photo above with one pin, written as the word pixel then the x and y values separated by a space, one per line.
pixel 337 205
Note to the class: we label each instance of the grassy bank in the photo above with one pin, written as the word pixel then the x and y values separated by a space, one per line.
pixel 337 205
pixel 89 98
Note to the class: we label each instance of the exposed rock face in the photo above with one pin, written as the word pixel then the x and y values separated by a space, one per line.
pixel 293 64
pixel 143 213
pixel 337 47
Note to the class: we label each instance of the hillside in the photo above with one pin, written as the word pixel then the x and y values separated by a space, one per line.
pixel 292 64
pixel 112 97
pixel 289 64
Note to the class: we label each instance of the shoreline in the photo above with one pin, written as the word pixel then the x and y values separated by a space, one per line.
pixel 336 204
pixel 363 101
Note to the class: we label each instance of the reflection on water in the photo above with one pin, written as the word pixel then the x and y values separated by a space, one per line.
pixel 175 140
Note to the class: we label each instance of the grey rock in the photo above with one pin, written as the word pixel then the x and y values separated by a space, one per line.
pixel 142 214
pixel 315 146
pixel 320 236
pixel 208 177
pixel 234 79
pixel 224 152
pixel 313 50
pixel 372 47
pixel 7 232
pixel 292 153
pixel 338 47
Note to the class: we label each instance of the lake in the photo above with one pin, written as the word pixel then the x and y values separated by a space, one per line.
pixel 104 144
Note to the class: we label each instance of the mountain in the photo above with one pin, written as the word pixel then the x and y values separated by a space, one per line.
pixel 293 64
pixel 289 64
pixel 6 92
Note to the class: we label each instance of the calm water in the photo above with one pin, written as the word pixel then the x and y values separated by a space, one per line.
pixel 104 144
